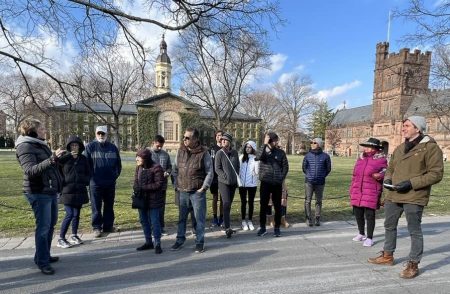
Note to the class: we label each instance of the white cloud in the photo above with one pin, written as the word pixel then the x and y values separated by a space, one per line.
pixel 338 90
pixel 277 62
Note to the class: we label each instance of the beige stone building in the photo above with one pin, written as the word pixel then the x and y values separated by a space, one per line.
pixel 164 113
pixel 400 90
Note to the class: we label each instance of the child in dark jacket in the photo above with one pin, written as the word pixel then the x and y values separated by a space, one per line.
pixel 75 169
pixel 148 183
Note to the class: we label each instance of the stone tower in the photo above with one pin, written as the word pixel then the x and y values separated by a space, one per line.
pixel 398 78
pixel 163 69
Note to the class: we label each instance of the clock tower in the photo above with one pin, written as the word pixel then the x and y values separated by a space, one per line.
pixel 163 69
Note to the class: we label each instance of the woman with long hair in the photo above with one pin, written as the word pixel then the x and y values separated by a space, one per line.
pixel 249 179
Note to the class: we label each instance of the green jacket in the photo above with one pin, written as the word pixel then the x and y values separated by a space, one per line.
pixel 422 165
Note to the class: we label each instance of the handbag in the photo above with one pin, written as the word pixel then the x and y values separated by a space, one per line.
pixel 137 201
pixel 239 183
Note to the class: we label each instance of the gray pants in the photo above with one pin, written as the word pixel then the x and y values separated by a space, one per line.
pixel 311 189
pixel 413 214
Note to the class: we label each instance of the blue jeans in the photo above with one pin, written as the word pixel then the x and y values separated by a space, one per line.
pixel 413 214
pixel 99 196
pixel 198 201
pixel 150 218
pixel 45 208
pixel 72 216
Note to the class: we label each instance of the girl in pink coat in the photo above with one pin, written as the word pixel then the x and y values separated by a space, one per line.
pixel 366 188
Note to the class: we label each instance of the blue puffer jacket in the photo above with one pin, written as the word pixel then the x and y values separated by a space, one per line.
pixel 105 162
pixel 316 167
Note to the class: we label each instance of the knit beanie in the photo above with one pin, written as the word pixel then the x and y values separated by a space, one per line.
pixel 319 142
pixel 419 122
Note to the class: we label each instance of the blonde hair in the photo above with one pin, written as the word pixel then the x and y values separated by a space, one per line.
pixel 29 127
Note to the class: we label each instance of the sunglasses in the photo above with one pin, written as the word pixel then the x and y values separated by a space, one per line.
pixel 313 142
pixel 186 138
pixel 101 133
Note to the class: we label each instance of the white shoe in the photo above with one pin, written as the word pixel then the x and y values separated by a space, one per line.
pixel 250 225
pixel 244 225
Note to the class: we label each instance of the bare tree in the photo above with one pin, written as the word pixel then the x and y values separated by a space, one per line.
pixel 295 95
pixel 218 69
pixel 16 101
pixel 94 25
pixel 108 79
pixel 334 138
pixel 264 105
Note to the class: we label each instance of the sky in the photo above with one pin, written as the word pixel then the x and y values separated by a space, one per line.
pixel 334 43
pixel 331 41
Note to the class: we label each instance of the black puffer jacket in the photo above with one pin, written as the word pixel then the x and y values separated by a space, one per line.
pixel 273 165
pixel 76 174
pixel 41 175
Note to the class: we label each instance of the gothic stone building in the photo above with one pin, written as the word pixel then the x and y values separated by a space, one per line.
pixel 400 90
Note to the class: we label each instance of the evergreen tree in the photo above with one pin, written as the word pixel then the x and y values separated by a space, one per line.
pixel 320 119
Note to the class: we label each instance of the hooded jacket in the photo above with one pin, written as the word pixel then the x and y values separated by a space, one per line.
pixel 41 175
pixel 76 175
pixel 365 191
pixel 422 165
pixel 249 171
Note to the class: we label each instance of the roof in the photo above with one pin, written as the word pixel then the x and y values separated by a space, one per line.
pixel 150 100
pixel 207 113
pixel 97 107
pixel 421 103
pixel 353 115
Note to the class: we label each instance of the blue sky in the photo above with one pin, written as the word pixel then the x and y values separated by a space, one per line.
pixel 334 43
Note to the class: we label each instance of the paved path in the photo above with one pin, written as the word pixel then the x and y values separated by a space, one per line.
pixel 304 260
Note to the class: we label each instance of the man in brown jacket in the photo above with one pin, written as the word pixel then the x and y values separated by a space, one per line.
pixel 414 167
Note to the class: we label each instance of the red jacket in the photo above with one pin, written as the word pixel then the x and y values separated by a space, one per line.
pixel 365 190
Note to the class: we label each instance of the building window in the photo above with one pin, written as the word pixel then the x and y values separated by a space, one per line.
pixel 168 130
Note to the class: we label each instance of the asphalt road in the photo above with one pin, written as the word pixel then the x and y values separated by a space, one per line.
pixel 319 260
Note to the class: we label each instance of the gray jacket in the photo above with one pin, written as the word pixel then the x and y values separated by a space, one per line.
pixel 225 173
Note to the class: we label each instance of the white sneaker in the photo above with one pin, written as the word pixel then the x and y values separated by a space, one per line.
pixel 62 243
pixel 250 225
pixel 75 240
pixel 244 225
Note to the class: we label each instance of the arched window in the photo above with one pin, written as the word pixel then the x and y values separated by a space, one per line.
pixel 168 125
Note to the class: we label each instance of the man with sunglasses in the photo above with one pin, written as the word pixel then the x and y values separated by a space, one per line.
pixel 193 174
pixel 316 167
pixel 106 165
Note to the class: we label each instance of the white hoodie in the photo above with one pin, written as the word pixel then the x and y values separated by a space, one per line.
pixel 249 171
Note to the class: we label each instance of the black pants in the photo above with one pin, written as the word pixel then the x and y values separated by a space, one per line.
pixel 227 194
pixel 251 201
pixel 265 190
pixel 369 213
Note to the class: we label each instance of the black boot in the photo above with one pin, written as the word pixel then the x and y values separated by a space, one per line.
pixel 317 222
pixel 146 246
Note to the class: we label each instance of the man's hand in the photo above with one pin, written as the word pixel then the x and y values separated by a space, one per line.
pixel 404 186
pixel 166 174
pixel 266 139
pixel 201 190
pixel 388 182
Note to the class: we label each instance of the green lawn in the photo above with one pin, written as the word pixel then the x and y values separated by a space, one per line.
pixel 16 217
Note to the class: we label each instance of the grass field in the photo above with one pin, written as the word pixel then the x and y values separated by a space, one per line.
pixel 16 216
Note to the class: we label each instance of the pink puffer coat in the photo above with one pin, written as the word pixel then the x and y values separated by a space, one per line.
pixel 365 190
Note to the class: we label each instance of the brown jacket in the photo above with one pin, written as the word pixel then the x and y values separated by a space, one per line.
pixel 150 183
pixel 422 165
pixel 193 169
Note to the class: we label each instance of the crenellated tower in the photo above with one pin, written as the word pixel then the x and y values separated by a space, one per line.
pixel 398 78
pixel 163 69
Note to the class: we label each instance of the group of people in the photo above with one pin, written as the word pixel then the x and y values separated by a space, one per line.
pixel 414 167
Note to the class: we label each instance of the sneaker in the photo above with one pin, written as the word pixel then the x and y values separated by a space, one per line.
pixel 164 233
pixel 199 248
pixel 262 232
pixel 244 225
pixel 251 227
pixel 309 222
pixel 276 232
pixel 75 240
pixel 359 237
pixel 215 222
pixel 229 232
pixel 158 249
pixel 97 233
pixel 177 246
pixel 146 246
pixel 368 243
pixel 317 221
pixel 62 243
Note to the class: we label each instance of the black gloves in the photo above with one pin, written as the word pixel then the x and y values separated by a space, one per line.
pixel 389 186
pixel 404 186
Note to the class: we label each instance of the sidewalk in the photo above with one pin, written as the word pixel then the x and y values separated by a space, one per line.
pixel 136 236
